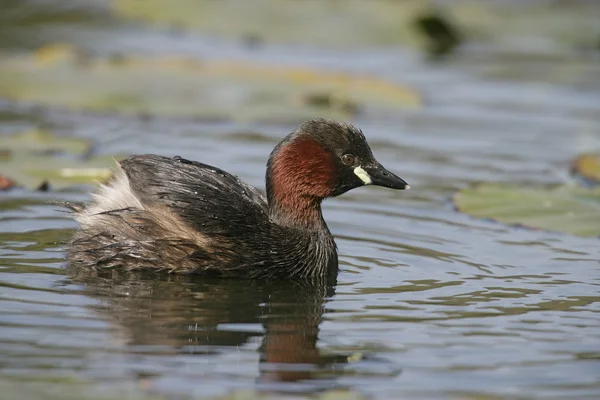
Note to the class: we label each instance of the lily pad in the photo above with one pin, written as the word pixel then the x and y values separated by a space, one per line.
pixel 567 209
pixel 36 158
pixel 587 168
pixel 32 171
pixel 333 394
pixel 353 23
pixel 40 141
pixel 172 86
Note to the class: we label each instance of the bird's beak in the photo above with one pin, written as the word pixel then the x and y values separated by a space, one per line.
pixel 376 174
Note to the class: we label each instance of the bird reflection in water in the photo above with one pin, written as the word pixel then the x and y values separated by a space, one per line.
pixel 191 315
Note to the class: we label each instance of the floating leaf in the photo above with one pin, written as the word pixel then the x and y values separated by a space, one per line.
pixel 341 394
pixel 355 23
pixel 333 394
pixel 566 209
pixel 54 53
pixel 183 87
pixel 587 167
pixel 32 170
pixel 351 22
pixel 36 159
pixel 6 183
pixel 39 141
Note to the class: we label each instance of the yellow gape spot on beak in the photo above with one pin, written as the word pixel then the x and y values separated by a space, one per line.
pixel 362 174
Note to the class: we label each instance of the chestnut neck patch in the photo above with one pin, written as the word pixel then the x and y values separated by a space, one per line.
pixel 300 175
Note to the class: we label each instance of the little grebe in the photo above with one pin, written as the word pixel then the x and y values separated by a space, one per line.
pixel 172 214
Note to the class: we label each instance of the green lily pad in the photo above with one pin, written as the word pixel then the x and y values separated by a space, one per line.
pixel 32 170
pixel 58 75
pixel 587 167
pixel 40 141
pixel 354 23
pixel 567 209
pixel 333 394
pixel 35 157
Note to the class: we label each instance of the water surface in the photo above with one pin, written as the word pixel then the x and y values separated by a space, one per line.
pixel 429 303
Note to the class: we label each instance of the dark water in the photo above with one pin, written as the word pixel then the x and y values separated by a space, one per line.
pixel 429 303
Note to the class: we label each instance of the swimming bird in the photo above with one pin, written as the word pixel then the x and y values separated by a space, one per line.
pixel 172 214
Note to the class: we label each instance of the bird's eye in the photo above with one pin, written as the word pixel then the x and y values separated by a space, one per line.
pixel 348 159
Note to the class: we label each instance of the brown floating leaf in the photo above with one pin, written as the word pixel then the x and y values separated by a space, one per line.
pixel 587 167
pixel 6 183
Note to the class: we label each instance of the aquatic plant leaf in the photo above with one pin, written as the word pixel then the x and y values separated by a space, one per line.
pixel 58 75
pixel 587 167
pixel 36 157
pixel 333 394
pixel 40 141
pixel 6 183
pixel 352 22
pixel 567 209
pixel 355 23
pixel 341 395
pixel 32 170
